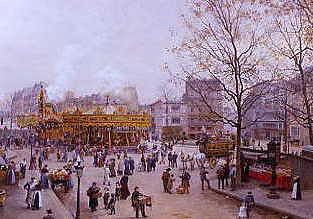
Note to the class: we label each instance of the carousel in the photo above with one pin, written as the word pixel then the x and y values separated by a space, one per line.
pixel 96 128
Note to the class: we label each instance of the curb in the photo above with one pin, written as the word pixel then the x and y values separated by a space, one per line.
pixel 66 212
pixel 258 204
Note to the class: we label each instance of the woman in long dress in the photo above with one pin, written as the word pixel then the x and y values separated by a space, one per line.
pixel 44 177
pixel 120 166
pixel 170 185
pixel 106 178
pixel 11 177
pixel 124 187
pixel 296 190
pixel 37 199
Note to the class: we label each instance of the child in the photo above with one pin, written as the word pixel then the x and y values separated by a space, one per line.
pixel 106 196
pixel 111 205
pixel 117 191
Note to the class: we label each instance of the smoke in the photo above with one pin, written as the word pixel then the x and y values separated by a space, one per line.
pixel 73 72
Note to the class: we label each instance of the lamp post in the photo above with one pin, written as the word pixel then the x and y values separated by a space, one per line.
pixel 79 172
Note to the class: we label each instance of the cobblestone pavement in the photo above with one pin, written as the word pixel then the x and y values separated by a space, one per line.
pixel 198 204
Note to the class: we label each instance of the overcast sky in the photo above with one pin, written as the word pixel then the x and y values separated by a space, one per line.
pixel 86 45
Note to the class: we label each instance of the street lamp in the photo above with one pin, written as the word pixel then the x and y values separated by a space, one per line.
pixel 79 173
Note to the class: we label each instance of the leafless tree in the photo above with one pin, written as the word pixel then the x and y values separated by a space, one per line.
pixel 293 50
pixel 225 44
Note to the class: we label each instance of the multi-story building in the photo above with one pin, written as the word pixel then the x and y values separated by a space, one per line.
pixel 124 102
pixel 203 100
pixel 168 118
pixel 25 100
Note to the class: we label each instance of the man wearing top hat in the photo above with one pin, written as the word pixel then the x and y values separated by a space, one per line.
pixel 136 204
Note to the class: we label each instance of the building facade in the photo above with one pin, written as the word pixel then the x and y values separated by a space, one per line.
pixel 168 118
pixel 202 100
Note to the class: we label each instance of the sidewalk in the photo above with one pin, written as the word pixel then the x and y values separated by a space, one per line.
pixel 15 207
pixel 284 205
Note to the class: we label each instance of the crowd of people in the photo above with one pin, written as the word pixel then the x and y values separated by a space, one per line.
pixel 118 169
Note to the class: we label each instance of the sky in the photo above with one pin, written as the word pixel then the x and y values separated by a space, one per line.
pixel 87 45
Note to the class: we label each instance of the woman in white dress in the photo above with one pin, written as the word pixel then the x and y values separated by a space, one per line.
pixel 37 199
pixel 106 179
pixel 296 190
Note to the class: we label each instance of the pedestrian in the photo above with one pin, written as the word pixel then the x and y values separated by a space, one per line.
pixel 23 165
pixel 49 215
pixel 153 163
pixel 112 168
pixel 170 159
pixel 44 177
pixel 163 155
pixel 131 165
pixel 111 205
pixel 174 162
pixel 93 193
pixel 143 162
pixel 149 163
pixel 220 176
pixel 170 184
pixel 246 169
pixel 58 156
pixel 203 178
pixel 117 191
pixel 36 197
pixel 124 187
pixel 296 189
pixel 11 175
pixel 40 162
pixel 29 186
pixel 249 203
pixel 120 166
pixel 137 204
pixel 232 175
pixel 186 181
pixel 165 178
pixel 126 167
pixel 226 174
pixel 192 163
pixel 243 212
pixel 106 197
pixel 106 176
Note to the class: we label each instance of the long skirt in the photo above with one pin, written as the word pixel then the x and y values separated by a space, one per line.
pixel 44 181
pixel 93 203
pixel 124 192
pixel 11 178
pixel 37 200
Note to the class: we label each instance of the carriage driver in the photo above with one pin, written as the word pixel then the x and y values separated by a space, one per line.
pixel 137 202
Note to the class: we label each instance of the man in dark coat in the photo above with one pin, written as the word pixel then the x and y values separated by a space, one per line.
pixel 93 192
pixel 174 160
pixel 203 177
pixel 124 187
pixel 131 165
pixel 165 178
pixel 137 204
pixel 170 159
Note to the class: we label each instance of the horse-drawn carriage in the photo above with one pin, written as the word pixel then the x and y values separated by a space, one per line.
pixel 212 148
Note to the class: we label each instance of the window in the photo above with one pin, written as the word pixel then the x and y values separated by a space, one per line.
pixel 294 132
pixel 176 108
pixel 175 120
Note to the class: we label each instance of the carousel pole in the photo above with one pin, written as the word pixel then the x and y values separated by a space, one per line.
pixel 127 140
pixel 110 142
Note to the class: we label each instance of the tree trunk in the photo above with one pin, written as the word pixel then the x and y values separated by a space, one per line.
pixel 238 155
pixel 306 103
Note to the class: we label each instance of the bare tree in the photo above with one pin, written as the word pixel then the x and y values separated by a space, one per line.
pixel 293 49
pixel 225 44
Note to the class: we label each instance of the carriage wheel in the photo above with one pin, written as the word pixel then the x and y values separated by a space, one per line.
pixel 213 162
